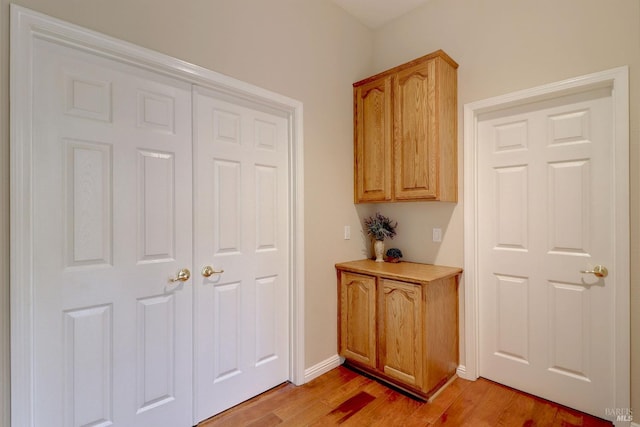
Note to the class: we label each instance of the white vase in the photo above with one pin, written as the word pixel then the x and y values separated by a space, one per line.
pixel 378 247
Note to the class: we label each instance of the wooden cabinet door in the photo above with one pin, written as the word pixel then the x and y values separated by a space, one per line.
pixel 415 137
pixel 357 318
pixel 373 141
pixel 401 332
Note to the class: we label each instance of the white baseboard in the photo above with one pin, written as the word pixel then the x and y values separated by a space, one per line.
pixel 335 361
pixel 635 425
pixel 462 373
pixel 322 367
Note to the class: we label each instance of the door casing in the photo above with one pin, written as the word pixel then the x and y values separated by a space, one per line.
pixel 26 26
pixel 618 80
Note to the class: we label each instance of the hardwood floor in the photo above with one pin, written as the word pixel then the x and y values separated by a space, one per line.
pixel 344 397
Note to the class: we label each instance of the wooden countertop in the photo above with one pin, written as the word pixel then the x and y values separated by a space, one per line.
pixel 408 271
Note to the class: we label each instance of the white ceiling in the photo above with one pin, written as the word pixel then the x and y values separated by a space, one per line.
pixel 375 13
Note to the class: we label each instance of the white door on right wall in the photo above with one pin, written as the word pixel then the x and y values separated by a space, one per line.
pixel 545 224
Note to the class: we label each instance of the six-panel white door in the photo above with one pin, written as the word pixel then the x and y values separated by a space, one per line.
pixel 241 223
pixel 112 209
pixel 545 185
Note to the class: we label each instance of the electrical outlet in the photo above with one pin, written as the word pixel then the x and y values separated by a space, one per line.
pixel 437 234
pixel 347 232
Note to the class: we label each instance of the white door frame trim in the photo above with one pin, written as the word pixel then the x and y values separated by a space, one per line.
pixel 26 26
pixel 618 80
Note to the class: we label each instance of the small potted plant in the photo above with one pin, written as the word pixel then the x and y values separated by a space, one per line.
pixel 393 255
pixel 379 227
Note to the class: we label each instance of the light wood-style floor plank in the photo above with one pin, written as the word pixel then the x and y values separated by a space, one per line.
pixel 343 397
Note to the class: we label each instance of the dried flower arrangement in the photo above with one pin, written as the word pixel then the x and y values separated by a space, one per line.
pixel 380 227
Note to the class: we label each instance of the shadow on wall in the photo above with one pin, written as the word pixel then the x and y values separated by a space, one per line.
pixel 365 210
pixel 415 231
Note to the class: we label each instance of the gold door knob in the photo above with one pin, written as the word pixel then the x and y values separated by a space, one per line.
pixel 208 271
pixel 182 276
pixel 598 271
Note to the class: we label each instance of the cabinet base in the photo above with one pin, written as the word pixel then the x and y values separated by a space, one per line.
pixel 398 386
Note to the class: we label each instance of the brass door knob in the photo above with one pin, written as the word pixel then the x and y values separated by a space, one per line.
pixel 598 271
pixel 208 271
pixel 182 276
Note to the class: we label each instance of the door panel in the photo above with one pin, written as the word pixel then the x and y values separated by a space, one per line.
pixel 241 217
pixel 112 222
pixel 358 311
pixel 402 331
pixel 374 141
pixel 415 167
pixel 88 365
pixel 545 176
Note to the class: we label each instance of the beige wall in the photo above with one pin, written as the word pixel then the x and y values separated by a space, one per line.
pixel 311 51
pixel 504 46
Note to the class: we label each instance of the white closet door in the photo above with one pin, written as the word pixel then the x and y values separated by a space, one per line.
pixel 112 217
pixel 241 228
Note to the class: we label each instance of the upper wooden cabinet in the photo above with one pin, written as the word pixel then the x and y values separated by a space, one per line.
pixel 405 132
pixel 373 141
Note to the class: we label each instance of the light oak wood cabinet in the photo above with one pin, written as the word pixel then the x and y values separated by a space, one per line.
pixel 358 325
pixel 401 331
pixel 399 322
pixel 405 132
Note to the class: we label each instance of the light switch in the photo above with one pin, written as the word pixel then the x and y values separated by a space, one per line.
pixel 347 232
pixel 437 234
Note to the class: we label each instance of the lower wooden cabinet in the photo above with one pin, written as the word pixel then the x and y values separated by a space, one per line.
pixel 358 322
pixel 399 322
pixel 401 338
